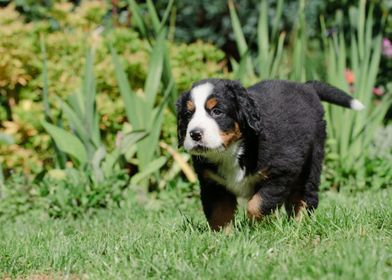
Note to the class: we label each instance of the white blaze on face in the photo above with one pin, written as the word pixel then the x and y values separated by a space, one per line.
pixel 202 120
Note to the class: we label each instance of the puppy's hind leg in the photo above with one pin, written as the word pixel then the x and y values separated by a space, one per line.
pixel 313 180
pixel 295 204
pixel 305 195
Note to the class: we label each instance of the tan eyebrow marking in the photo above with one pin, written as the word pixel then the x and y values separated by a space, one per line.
pixel 190 105
pixel 211 103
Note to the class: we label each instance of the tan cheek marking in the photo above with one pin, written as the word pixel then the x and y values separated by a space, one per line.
pixel 211 103
pixel 190 105
pixel 228 137
pixel 254 207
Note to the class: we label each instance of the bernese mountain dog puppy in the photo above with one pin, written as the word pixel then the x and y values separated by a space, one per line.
pixel 264 143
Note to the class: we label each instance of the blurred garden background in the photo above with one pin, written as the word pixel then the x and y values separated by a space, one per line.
pixel 87 94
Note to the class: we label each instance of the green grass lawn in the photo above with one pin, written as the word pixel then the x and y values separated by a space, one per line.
pixel 349 237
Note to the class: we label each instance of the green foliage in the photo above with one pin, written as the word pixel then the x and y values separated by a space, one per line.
pixel 272 59
pixel 67 142
pixel 348 237
pixel 33 9
pixel 269 52
pixel 83 144
pixel 62 193
pixel 159 32
pixel 17 196
pixel 141 109
pixel 17 65
pixel 353 132
pixel 66 45
pixel 379 158
pixel 99 180
pixel 99 132
pixel 205 60
pixel 210 21
pixel 74 193
pixel 81 113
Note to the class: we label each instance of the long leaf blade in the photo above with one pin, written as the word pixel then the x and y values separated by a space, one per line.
pixel 67 142
pixel 155 72
pixel 133 104
pixel 152 167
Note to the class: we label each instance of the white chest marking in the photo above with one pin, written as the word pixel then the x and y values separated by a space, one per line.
pixel 230 174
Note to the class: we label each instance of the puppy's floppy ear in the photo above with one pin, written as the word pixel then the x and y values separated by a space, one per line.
pixel 248 113
pixel 182 121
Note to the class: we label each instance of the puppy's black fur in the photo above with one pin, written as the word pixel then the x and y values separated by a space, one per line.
pixel 282 136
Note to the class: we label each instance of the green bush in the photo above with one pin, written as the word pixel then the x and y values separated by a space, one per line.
pixel 65 47
pixel 266 51
pixel 18 64
pixel 72 193
pixel 61 193
pixel 354 132
pixel 350 133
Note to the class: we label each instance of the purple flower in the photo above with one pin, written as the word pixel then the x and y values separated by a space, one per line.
pixel 386 47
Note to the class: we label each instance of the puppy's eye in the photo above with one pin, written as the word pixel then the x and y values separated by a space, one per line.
pixel 216 112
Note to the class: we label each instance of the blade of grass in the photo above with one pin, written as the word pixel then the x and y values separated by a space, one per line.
pixel 60 157
pixel 241 73
pixel 89 93
pixel 278 57
pixel 133 103
pixel 137 16
pixel 75 122
pixel 155 71
pixel 166 15
pixel 152 167
pixel 156 23
pixel 264 59
pixel 145 152
pixel 45 88
pixel 361 27
pixel 277 19
pixel 239 37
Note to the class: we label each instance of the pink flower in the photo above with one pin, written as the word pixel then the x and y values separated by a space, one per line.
pixel 378 91
pixel 386 47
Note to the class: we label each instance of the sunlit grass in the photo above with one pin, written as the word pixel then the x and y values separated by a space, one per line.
pixel 349 237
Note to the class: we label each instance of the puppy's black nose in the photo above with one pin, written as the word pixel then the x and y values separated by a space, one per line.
pixel 196 134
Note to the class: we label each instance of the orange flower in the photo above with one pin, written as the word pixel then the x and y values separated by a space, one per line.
pixel 349 76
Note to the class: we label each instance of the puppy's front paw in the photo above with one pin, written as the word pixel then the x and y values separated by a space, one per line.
pixel 254 207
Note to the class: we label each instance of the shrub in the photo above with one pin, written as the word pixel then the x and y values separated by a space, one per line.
pixel 350 133
pixel 72 193
pixel 17 65
pixel 61 193
pixel 66 46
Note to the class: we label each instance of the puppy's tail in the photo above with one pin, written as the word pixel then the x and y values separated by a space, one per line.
pixel 334 95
